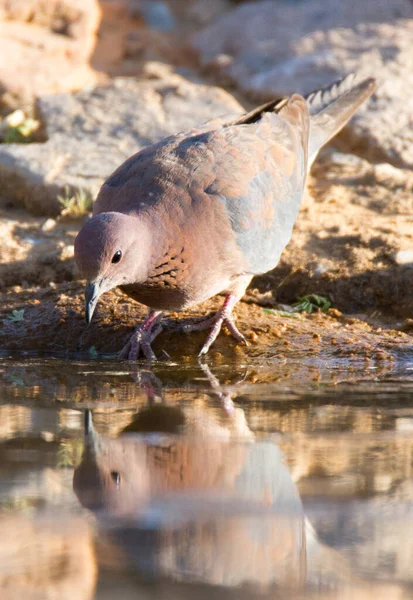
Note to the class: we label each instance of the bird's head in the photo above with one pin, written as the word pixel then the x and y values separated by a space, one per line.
pixel 111 249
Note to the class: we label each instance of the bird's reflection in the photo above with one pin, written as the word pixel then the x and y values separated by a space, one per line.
pixel 195 496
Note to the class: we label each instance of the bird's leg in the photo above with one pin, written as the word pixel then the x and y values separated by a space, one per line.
pixel 223 315
pixel 225 397
pixel 142 338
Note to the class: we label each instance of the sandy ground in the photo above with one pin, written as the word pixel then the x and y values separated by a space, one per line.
pixel 353 222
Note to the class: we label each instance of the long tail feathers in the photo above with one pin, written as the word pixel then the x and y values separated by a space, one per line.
pixel 331 108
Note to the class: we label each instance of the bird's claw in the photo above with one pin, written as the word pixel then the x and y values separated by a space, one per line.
pixel 141 340
pixel 215 322
pixel 213 334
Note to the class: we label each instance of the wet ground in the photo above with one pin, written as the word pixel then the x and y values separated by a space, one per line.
pixel 281 477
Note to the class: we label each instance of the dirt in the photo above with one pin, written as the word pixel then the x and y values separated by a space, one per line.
pixel 53 322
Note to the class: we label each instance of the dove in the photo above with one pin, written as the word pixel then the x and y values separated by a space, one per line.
pixel 201 213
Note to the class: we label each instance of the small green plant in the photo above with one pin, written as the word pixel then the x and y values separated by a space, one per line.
pixel 77 204
pixel 16 316
pixel 93 352
pixel 311 303
pixel 17 128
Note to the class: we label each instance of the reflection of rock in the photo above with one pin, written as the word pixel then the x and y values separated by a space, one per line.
pixel 45 46
pixel 374 534
pixel 365 511
pixel 270 49
pixel 330 468
pixel 92 132
pixel 42 559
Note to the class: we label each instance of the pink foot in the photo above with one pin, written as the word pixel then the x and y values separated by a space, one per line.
pixel 142 338
pixel 223 316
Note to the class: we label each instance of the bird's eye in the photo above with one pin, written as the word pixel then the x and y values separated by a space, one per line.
pixel 117 256
pixel 115 477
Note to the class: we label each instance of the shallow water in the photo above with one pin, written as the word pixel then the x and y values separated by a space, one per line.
pixel 284 479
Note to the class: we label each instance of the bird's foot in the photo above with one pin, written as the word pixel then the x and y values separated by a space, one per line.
pixel 220 320
pixel 142 338
pixel 222 317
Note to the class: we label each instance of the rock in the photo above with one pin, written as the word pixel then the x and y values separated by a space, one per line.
pixel 92 132
pixel 46 47
pixel 393 178
pixel 48 225
pixel 403 257
pixel 270 49
pixel 203 13
pixel 133 32
pixel 158 15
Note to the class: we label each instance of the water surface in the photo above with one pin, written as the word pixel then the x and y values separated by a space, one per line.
pixel 285 479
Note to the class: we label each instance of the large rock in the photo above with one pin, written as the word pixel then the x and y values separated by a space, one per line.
pixel 46 46
pixel 92 132
pixel 271 49
pixel 133 32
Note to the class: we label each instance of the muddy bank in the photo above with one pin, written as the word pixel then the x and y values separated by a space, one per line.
pixel 349 244
pixel 51 319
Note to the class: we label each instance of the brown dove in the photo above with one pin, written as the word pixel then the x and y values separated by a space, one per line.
pixel 200 213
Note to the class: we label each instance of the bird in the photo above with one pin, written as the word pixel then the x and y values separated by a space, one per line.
pixel 202 212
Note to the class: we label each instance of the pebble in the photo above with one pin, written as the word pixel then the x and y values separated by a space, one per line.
pixel 334 312
pixel 48 225
pixel 67 252
pixel 387 174
pixel 407 325
pixel 320 269
pixel 403 257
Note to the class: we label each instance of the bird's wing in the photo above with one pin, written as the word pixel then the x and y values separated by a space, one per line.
pixel 259 177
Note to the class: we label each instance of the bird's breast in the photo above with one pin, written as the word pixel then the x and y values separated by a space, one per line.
pixel 159 295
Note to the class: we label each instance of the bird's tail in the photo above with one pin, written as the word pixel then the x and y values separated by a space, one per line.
pixel 331 108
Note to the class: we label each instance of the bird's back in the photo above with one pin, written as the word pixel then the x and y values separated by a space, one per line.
pixel 240 183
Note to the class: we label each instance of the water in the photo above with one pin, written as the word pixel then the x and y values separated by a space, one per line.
pixel 280 479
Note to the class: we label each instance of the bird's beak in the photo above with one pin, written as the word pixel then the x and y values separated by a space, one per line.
pixel 92 293
pixel 92 439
